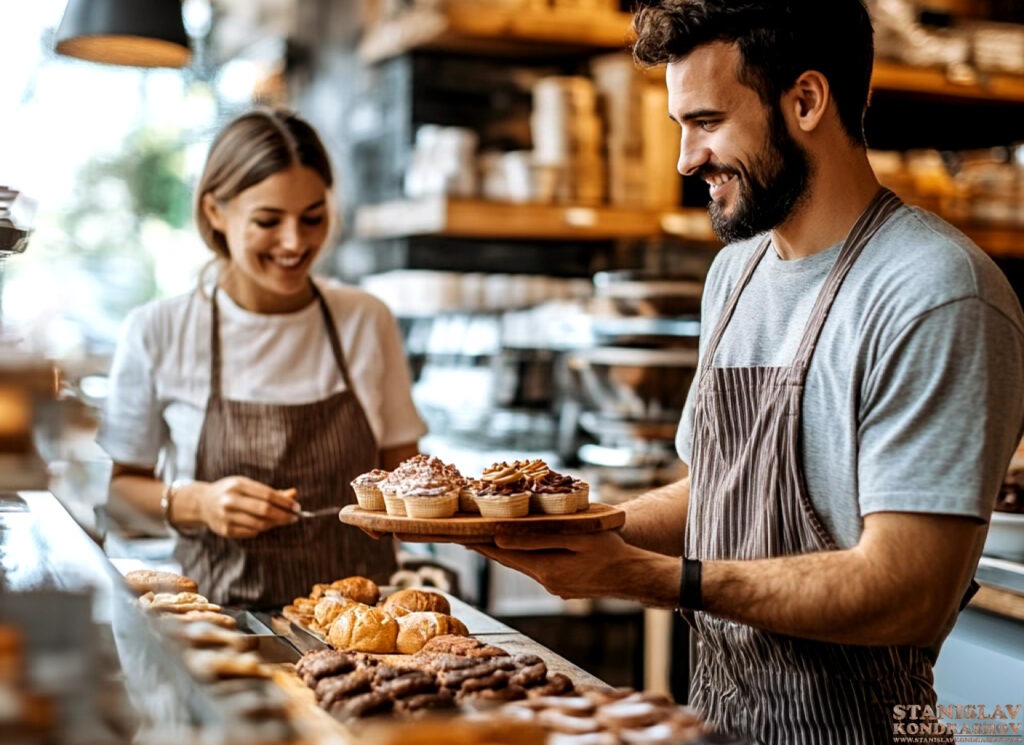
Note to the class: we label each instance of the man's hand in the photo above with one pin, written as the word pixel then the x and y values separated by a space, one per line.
pixel 239 507
pixel 589 566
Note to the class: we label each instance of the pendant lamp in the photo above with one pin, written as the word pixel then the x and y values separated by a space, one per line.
pixel 139 33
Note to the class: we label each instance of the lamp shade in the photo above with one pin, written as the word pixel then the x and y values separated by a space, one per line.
pixel 140 33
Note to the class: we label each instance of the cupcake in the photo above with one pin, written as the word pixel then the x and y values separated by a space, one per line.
pixel 429 487
pixel 506 499
pixel 554 494
pixel 390 491
pixel 367 489
pixel 582 495
pixel 467 495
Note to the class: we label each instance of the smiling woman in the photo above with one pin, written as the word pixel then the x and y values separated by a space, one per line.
pixel 308 389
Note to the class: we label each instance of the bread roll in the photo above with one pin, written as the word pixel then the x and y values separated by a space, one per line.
pixel 364 629
pixel 416 629
pixel 360 589
pixel 142 581
pixel 328 608
pixel 419 600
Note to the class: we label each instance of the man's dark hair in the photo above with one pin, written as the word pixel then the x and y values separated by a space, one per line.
pixel 778 39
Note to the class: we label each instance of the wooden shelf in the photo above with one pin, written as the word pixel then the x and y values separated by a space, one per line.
pixel 465 27
pixel 471 218
pixel 890 77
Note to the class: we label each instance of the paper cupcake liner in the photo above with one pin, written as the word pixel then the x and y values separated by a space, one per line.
pixel 432 507
pixel 510 505
pixel 553 504
pixel 467 501
pixel 394 504
pixel 369 497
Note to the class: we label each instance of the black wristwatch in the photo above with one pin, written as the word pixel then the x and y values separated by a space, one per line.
pixel 690 597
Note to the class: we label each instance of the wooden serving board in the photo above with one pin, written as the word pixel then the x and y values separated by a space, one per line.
pixel 471 528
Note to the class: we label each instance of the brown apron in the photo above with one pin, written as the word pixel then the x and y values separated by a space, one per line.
pixel 318 448
pixel 748 500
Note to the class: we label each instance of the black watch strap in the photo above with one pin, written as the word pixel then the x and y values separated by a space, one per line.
pixel 690 597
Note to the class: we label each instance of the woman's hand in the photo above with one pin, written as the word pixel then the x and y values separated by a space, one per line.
pixel 239 507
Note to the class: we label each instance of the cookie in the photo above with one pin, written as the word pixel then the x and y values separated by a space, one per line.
pixel 142 581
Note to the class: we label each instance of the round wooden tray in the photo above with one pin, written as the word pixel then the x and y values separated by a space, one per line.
pixel 471 528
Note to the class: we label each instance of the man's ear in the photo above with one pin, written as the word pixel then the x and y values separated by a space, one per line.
pixel 213 212
pixel 808 100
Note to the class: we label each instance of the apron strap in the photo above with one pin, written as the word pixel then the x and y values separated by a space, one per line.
pixel 215 385
pixel 882 205
pixel 332 336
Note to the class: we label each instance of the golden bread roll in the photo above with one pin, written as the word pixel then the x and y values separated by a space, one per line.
pixel 142 581
pixel 364 629
pixel 360 589
pixel 329 608
pixel 419 600
pixel 416 629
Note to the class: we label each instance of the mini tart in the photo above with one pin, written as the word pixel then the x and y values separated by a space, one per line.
pixel 367 489
pixel 467 498
pixel 428 505
pixel 563 503
pixel 503 505
pixel 394 504
pixel 582 496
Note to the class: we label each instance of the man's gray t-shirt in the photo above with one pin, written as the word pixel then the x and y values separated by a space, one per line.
pixel 914 399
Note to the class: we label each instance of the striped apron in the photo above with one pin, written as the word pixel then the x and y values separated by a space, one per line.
pixel 316 447
pixel 748 500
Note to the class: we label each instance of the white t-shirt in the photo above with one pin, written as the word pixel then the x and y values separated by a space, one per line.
pixel 160 375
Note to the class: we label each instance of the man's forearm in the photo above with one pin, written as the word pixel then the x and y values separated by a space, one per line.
pixel 656 520
pixel 875 593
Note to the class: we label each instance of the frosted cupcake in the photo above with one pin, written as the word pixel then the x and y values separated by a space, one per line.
pixel 429 487
pixel 391 493
pixel 467 495
pixel 504 500
pixel 367 489
pixel 554 494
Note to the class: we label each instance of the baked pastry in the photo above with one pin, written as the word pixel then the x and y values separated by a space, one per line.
pixel 414 599
pixel 416 629
pixel 328 608
pixel 499 505
pixel 364 629
pixel 360 589
pixel 429 487
pixel 555 494
pixel 223 620
pixel 367 489
pixel 142 581
pixel 207 635
pixel 180 602
pixel 209 664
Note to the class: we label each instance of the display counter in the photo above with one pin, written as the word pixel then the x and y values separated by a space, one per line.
pixel 102 669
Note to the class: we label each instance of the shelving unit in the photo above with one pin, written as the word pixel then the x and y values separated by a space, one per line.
pixel 472 218
pixel 465 27
pixel 492 31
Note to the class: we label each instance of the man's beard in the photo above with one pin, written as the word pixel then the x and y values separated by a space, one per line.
pixel 769 193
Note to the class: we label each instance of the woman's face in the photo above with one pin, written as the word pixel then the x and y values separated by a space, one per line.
pixel 274 231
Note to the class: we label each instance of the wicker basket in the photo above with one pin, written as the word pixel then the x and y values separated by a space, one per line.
pixel 554 504
pixel 432 507
pixel 504 505
pixel 369 497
